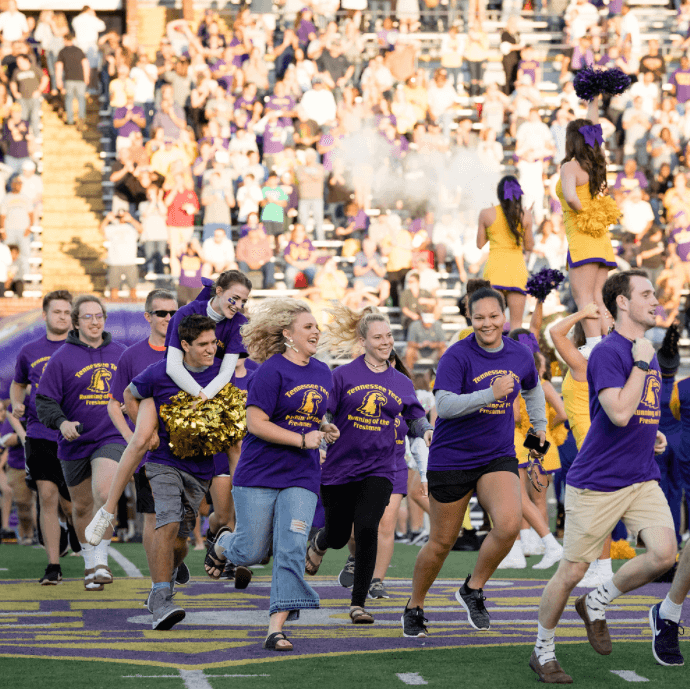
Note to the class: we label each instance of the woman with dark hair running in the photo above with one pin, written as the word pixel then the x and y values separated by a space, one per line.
pixel 508 229
pixel 357 476
pixel 587 214
pixel 474 449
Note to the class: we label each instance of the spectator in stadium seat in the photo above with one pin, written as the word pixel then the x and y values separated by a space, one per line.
pixel 310 180
pixel 154 237
pixel 13 24
pixel 144 75
pixel 72 75
pixel 511 48
pixel 680 81
pixel 217 199
pixel 122 232
pixel 627 179
pixel 119 87
pixel 191 264
pixel 425 338
pixel 318 103
pixel 127 120
pixel 630 30
pixel 254 254
pixel 32 187
pixel 677 198
pixel 16 219
pixel 249 198
pixel 638 215
pixel 679 246
pixel 27 84
pixel 299 256
pixel 183 205
pixel 663 149
pixel 17 139
pixel 370 270
pixel 636 123
pixel 14 277
pixel 218 253
pixel 170 116
pixel 330 282
pixel 558 132
pixel 653 61
pixel 5 263
pixel 442 98
pixel 87 26
pixel 413 301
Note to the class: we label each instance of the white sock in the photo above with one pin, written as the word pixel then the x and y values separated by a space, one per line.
pixel 89 555
pixel 101 552
pixel 598 599
pixel 668 610
pixel 524 534
pixel 545 648
pixel 591 341
pixel 605 566
pixel 550 542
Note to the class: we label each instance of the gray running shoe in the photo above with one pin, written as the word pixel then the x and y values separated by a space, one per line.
pixel 377 589
pixel 346 578
pixel 165 613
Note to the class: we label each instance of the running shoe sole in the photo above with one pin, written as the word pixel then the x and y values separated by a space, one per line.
pixel 460 600
pixel 170 620
pixel 182 576
pixel 421 635
pixel 243 577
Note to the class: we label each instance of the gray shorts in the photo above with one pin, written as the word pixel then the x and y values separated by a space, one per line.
pixel 115 274
pixel 77 471
pixel 176 495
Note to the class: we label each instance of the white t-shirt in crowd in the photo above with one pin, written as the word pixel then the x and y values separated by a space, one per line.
pixel 13 26
pixel 86 29
pixel 636 215
pixel 123 239
pixel 144 83
pixel 218 254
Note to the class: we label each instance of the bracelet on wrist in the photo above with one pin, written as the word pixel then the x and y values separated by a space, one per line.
pixel 303 445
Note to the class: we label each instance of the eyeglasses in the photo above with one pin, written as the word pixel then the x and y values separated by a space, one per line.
pixel 162 313
pixel 88 317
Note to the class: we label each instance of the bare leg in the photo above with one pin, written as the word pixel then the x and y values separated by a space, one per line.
pixel 221 496
pixel 104 470
pixel 681 581
pixel 163 552
pixel 583 282
pixel 602 275
pixel 516 305
pixel 83 509
pixel 275 624
pixel 557 591
pixel 386 543
pixel 659 558
pixel 50 528
pixel 538 499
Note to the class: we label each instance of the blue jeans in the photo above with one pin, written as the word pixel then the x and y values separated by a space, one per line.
pixel 210 228
pixel 284 515
pixel 314 206
pixel 75 89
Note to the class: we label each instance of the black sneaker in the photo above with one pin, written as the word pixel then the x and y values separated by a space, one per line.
pixel 52 576
pixel 665 639
pixel 182 574
pixel 413 623
pixel 377 589
pixel 473 602
pixel 346 578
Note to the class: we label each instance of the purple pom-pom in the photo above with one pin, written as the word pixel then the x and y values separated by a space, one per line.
pixel 613 81
pixel 542 283
pixel 586 83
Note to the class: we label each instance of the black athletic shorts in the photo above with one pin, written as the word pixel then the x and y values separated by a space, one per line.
pixel 145 504
pixel 454 485
pixel 42 463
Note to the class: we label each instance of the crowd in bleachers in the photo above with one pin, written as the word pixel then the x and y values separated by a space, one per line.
pixel 345 152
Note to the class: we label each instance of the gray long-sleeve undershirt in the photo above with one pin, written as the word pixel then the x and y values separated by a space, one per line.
pixel 452 406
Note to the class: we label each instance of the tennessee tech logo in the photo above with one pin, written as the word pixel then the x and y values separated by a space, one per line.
pixel 652 386
pixel 371 405
pixel 311 402
pixel 100 381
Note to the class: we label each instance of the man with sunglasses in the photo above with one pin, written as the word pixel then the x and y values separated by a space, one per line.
pixel 72 397
pixel 159 309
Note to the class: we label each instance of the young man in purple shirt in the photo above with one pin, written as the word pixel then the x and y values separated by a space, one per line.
pixel 614 476
pixel 72 396
pixel 42 462
pixel 159 308
pixel 680 81
pixel 178 484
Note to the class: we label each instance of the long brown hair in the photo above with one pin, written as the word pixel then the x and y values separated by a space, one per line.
pixel 512 209
pixel 591 158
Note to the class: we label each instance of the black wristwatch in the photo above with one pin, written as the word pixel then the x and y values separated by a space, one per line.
pixel 643 365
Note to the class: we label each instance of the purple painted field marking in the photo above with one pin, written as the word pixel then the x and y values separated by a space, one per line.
pixel 629 676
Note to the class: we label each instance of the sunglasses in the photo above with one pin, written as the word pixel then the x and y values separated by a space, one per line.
pixel 162 313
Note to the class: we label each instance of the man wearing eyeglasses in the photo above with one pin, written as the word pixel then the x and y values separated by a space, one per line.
pixel 159 308
pixel 72 397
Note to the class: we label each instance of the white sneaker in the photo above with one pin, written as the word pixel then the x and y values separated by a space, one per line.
pixel 532 545
pixel 97 527
pixel 591 578
pixel 515 559
pixel 552 556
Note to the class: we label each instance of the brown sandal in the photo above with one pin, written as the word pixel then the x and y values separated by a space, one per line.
pixel 359 615
pixel 311 567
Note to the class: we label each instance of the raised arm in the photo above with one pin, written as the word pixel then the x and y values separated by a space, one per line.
pixel 575 361
pixel 593 110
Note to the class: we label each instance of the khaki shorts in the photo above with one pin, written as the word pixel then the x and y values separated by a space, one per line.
pixel 590 516
pixel 16 479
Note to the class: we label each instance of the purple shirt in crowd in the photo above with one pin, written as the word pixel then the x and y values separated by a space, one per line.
pixel 154 382
pixel 293 397
pixel 15 454
pixel 681 80
pixel 286 103
pixel 128 127
pixel 79 379
pixel 274 138
pixel 614 457
pixel 680 236
pixel 364 405
pixel 31 362
pixel 475 439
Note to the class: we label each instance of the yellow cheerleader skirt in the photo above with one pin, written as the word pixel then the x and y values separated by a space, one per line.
pixel 588 232
pixel 506 270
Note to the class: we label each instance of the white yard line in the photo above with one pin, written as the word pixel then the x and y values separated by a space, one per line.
pixel 629 676
pixel 194 679
pixel 411 678
pixel 131 570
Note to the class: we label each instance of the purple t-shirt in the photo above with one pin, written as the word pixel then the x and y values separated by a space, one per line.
pixel 281 103
pixel 79 379
pixel 243 383
pixel 129 126
pixel 154 382
pixel 15 454
pixel 293 397
pixel 31 362
pixel 274 138
pixel 681 80
pixel 680 236
pixel 401 429
pixel 475 439
pixel 227 331
pixel 364 405
pixel 614 457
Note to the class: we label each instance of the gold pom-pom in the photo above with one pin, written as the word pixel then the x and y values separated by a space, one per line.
pixel 525 424
pixel 556 369
pixel 559 434
pixel 597 215
pixel 210 427
pixel 622 550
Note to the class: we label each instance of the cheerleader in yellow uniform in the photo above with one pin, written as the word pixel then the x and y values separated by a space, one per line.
pixel 587 214
pixel 508 229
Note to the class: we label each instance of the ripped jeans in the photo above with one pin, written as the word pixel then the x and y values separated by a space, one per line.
pixel 285 516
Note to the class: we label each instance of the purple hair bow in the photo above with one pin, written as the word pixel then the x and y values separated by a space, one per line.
pixel 530 341
pixel 592 134
pixel 511 190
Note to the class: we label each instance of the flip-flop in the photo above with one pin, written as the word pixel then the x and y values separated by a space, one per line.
pixel 271 643
pixel 311 567
pixel 212 561
pixel 359 615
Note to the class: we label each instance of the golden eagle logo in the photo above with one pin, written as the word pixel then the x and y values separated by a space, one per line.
pixel 310 403
pixel 371 405
pixel 650 398
pixel 100 381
